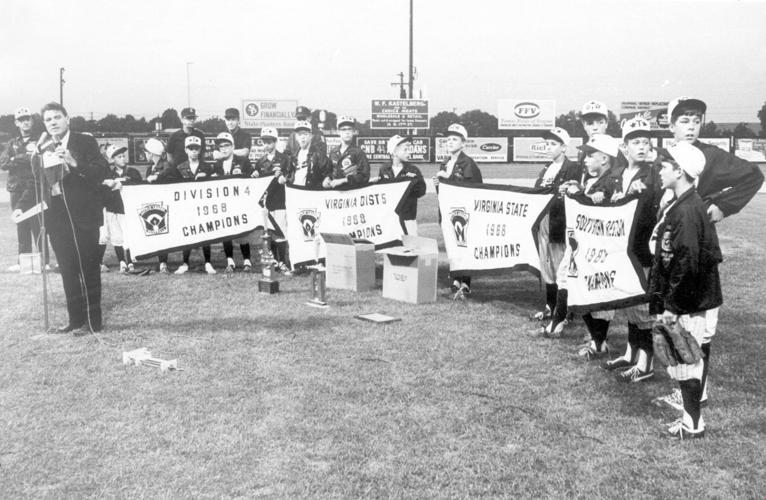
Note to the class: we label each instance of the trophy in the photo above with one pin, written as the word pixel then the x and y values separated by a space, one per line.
pixel 267 284
pixel 318 279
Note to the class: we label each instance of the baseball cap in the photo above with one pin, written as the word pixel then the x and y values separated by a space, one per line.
pixel 22 112
pixel 269 132
pixel 346 120
pixel 224 137
pixel 690 159
pixel 457 129
pixel 636 127
pixel 302 125
pixel 686 102
pixel 231 113
pixel 192 140
pixel 557 134
pixel 594 108
pixel 601 142
pixel 302 111
pixel 154 146
pixel 189 112
pixel 395 141
pixel 114 149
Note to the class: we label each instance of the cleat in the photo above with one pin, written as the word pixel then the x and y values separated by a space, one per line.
pixel 247 268
pixel 542 315
pixel 635 374
pixel 462 292
pixel 679 430
pixel 131 268
pixel 210 270
pixel 455 287
pixel 554 332
pixel 590 352
pixel 182 269
pixel 229 269
pixel 673 400
pixel 104 268
pixel 617 364
pixel 164 268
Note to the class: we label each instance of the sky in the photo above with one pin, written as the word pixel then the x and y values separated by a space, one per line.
pixel 131 56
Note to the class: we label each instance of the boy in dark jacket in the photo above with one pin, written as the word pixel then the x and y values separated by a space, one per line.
pixel 458 167
pixel 275 163
pixel 684 285
pixel 551 244
pixel 309 166
pixel 399 149
pixel 349 165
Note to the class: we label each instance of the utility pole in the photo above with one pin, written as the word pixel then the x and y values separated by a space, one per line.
pixel 411 66
pixel 400 84
pixel 188 86
pixel 61 86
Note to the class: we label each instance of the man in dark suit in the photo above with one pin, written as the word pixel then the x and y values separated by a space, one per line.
pixel 74 170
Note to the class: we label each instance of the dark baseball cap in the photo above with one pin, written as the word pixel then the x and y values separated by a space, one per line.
pixel 231 113
pixel 189 112
pixel 302 111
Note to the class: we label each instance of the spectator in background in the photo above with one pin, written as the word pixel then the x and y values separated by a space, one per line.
pixel 176 149
pixel 242 140
pixel 318 144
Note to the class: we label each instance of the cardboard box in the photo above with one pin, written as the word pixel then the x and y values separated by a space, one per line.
pixel 409 271
pixel 350 264
pixel 29 263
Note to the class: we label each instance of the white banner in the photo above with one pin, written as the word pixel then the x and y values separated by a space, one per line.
pixel 481 149
pixel 526 114
pixel 602 273
pixel 366 213
pixel 534 149
pixel 170 217
pixel 488 227
pixel 277 113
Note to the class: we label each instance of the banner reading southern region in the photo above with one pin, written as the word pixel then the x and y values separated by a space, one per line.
pixel 366 213
pixel 490 227
pixel 602 272
pixel 163 218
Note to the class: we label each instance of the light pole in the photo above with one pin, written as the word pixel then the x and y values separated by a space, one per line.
pixel 61 86
pixel 410 84
pixel 188 86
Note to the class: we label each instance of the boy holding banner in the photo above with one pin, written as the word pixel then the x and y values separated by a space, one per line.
pixel 551 244
pixel 458 167
pixel 726 184
pixel 398 148
pixel 275 163
pixel 349 165
pixel 308 164
pixel 684 285
pixel 600 185
pixel 154 149
pixel 640 181
pixel 229 165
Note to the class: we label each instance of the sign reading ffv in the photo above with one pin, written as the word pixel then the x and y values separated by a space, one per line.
pixel 526 114
pixel 399 114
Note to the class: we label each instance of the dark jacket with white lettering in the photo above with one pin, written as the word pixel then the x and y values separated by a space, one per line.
pixel 113 198
pixel 557 221
pixel 243 164
pixel 646 210
pixel 16 159
pixel 182 173
pixel 727 181
pixel 317 164
pixel 356 157
pixel 275 194
pixel 465 169
pixel 409 207
pixel 684 277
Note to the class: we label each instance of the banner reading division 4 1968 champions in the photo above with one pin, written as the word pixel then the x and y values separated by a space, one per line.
pixel 488 227
pixel 602 272
pixel 171 217
pixel 366 213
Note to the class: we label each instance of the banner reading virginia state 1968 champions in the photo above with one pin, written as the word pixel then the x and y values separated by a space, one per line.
pixel 366 213
pixel 489 227
pixel 171 217
pixel 601 272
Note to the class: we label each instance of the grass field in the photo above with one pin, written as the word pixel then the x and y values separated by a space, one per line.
pixel 277 399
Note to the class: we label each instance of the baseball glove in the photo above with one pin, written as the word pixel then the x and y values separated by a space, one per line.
pixel 673 345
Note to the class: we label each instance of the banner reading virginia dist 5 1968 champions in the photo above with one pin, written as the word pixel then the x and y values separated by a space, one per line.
pixel 488 227
pixel 367 213
pixel 171 217
pixel 602 273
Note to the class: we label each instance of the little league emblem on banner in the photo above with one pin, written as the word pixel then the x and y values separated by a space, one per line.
pixel 366 213
pixel 489 227
pixel 602 272
pixel 202 213
pixel 155 216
